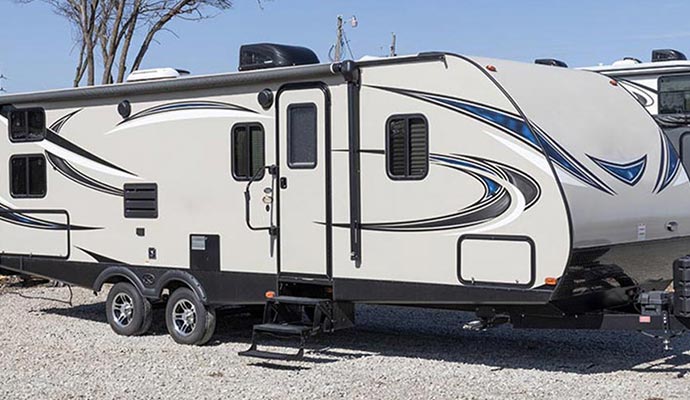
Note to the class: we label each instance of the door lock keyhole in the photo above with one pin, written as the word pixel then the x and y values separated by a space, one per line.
pixel 283 183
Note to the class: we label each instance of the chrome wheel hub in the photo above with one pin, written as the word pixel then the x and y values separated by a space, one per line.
pixel 184 317
pixel 123 310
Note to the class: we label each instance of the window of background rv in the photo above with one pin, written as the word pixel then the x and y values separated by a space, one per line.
pixel 248 151
pixel 28 176
pixel 407 147
pixel 27 125
pixel 674 94
pixel 301 136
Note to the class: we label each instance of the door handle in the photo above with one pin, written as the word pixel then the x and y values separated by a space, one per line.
pixel 283 183
pixel 273 171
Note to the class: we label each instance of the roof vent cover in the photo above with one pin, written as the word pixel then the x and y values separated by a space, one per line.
pixel 156 74
pixel 551 62
pixel 667 55
pixel 270 55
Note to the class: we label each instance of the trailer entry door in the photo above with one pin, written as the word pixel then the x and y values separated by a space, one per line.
pixel 304 181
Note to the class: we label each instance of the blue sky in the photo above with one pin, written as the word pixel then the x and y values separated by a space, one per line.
pixel 38 53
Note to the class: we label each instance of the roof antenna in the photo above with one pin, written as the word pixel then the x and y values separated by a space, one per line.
pixel 393 52
pixel 341 39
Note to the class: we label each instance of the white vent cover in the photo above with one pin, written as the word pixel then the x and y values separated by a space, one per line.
pixel 625 62
pixel 156 74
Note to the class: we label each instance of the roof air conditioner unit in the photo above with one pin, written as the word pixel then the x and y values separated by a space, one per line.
pixel 551 62
pixel 270 55
pixel 667 55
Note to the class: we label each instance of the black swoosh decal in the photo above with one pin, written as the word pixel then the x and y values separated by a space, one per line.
pixel 494 203
pixel 513 125
pixel 57 125
pixel 8 214
pixel 57 140
pixel 187 105
pixel 100 258
pixel 453 221
pixel 67 170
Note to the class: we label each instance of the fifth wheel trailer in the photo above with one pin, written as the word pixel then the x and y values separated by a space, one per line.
pixel 542 196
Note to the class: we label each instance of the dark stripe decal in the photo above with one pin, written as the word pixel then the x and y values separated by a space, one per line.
pixel 8 214
pixel 57 125
pixel 67 170
pixel 516 127
pixel 57 140
pixel 629 173
pixel 71 173
pixel 637 85
pixel 100 258
pixel 669 166
pixel 568 163
pixel 186 105
pixel 643 94
pixel 495 201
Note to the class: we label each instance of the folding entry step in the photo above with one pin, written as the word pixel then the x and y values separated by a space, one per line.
pixel 291 318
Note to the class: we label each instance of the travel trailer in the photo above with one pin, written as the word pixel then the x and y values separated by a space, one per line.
pixel 544 197
pixel 662 86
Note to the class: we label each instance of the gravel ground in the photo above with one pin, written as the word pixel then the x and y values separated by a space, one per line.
pixel 50 350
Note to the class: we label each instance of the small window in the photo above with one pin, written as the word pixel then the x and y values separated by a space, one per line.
pixel 674 94
pixel 248 151
pixel 407 147
pixel 302 131
pixel 27 125
pixel 28 176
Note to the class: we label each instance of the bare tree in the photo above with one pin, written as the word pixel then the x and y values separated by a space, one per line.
pixel 111 27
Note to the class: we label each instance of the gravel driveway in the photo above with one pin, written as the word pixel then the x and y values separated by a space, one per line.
pixel 53 351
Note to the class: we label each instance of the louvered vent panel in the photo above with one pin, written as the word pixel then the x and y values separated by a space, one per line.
pixel 419 159
pixel 141 200
pixel 397 160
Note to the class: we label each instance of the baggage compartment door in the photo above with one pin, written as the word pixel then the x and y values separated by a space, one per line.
pixel 35 233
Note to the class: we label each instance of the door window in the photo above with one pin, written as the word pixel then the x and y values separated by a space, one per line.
pixel 301 136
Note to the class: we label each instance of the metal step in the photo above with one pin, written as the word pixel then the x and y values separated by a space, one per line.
pixel 305 301
pixel 269 355
pixel 283 329
pixel 290 317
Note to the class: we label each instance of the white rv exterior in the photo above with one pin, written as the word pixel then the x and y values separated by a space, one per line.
pixel 663 88
pixel 508 178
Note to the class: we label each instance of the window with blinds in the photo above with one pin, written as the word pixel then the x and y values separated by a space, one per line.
pixel 27 124
pixel 248 151
pixel 407 147
pixel 28 176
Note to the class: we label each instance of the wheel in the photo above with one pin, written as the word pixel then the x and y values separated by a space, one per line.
pixel 187 319
pixel 128 312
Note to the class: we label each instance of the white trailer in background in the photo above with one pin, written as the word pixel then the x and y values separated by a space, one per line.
pixel 543 196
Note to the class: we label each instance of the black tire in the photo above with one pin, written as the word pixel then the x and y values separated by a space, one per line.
pixel 148 318
pixel 128 312
pixel 187 319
